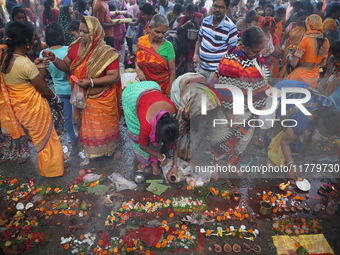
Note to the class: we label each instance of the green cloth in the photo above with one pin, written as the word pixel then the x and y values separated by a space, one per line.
pixel 167 51
pixel 130 97
pixel 63 20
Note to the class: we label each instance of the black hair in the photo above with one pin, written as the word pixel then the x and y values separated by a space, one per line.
pixel 48 7
pixel 250 13
pixel 81 6
pixel 319 5
pixel 334 9
pixel 227 2
pixel 167 128
pixel 18 34
pixel 269 6
pixel 201 3
pixel 248 1
pixel 177 8
pixel 112 7
pixel 73 26
pixel 26 3
pixel 280 10
pixel 181 2
pixel 301 13
pixel 262 3
pixel 252 37
pixel 298 4
pixel 335 47
pixel 190 7
pixel 16 10
pixel 54 34
pixel 147 9
pixel 330 118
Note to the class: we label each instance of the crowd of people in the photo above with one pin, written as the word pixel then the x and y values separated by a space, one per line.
pixel 180 51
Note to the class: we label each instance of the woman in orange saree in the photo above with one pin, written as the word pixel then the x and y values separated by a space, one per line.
pixel 96 65
pixel 155 56
pixel 311 53
pixel 23 103
pixel 291 38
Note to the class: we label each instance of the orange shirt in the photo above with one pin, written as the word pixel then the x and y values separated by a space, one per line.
pixel 306 51
pixel 100 11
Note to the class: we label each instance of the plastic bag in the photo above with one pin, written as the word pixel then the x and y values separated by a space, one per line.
pixel 129 78
pixel 184 169
pixel 122 183
pixel 77 98
pixel 91 177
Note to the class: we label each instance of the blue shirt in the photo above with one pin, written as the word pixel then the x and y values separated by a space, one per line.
pixel 215 41
pixel 165 10
pixel 61 84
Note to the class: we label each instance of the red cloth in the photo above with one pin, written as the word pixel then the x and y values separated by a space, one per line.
pixel 54 15
pixel 143 106
pixel 150 236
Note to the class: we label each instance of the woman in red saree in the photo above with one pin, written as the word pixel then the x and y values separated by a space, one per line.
pixel 155 56
pixel 96 65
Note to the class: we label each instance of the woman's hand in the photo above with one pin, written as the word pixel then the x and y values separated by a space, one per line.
pixel 49 55
pixel 164 162
pixel 140 74
pixel 41 63
pixel 84 83
pixel 173 172
pixel 188 23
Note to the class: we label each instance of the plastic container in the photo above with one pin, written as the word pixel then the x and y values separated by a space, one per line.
pixel 192 34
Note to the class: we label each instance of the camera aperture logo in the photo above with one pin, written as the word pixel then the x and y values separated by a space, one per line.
pixel 238 106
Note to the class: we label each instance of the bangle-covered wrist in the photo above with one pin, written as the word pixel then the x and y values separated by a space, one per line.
pixel 164 157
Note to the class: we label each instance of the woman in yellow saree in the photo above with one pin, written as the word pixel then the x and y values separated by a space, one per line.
pixel 96 65
pixel 23 103
pixel 293 35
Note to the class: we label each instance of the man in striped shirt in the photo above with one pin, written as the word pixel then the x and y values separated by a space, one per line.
pixel 216 35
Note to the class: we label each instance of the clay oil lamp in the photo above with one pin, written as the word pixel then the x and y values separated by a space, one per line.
pixel 286 208
pixel 72 229
pixel 230 211
pixel 284 186
pixel 217 211
pixel 212 214
pixel 244 209
pixel 236 197
pixel 306 208
pixel 238 209
pixel 298 206
pixel 206 213
pixel 157 214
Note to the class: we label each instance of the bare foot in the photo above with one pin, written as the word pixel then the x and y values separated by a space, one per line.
pixel 155 169
pixel 117 155
pixel 141 167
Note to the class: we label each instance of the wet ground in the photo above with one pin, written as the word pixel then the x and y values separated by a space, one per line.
pixel 57 226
